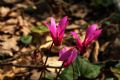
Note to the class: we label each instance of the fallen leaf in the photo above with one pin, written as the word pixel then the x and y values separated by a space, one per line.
pixel 10 44
pixel 96 51
pixel 4 11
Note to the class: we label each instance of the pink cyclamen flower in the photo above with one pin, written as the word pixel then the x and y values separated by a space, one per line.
pixel 68 55
pixel 57 32
pixel 92 33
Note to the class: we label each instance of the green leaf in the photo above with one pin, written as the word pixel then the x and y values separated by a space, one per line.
pixel 88 69
pixel 49 76
pixel 81 68
pixel 39 29
pixel 26 39
pixel 67 74
pixel 107 23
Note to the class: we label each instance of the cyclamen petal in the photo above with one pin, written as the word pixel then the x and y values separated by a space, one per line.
pixel 92 34
pixel 61 27
pixel 71 58
pixel 63 54
pixel 62 24
pixel 52 27
pixel 68 56
pixel 93 37
pixel 76 37
pixel 90 31
pixel 97 34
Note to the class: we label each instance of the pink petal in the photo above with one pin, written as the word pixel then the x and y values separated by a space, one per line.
pixel 53 28
pixel 51 31
pixel 72 57
pixel 90 34
pixel 90 31
pixel 61 27
pixel 88 41
pixel 75 36
pixel 62 24
pixel 95 36
pixel 64 55
pixel 97 33
pixel 61 52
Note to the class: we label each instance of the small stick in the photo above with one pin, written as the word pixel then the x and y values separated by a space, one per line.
pixel 59 71
pixel 45 61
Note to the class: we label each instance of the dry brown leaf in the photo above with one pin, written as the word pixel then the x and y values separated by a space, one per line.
pixel 25 25
pixel 12 21
pixel 13 14
pixel 78 10
pixel 96 51
pixel 8 29
pixel 72 26
pixel 48 38
pixel 4 37
pixel 10 43
pixel 9 74
pixel 7 69
pixel 4 11
pixel 104 46
pixel 80 22
pixel 1 76
pixel 17 70
pixel 35 75
pixel 6 52
pixel 25 30
pixel 53 61
pixel 87 53
pixel 46 44
pixel 26 49
pixel 1 25
pixel 20 20
pixel 11 1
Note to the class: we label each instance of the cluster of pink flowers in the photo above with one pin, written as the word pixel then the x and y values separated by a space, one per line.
pixel 57 33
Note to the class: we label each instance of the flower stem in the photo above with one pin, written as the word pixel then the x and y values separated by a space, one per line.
pixel 73 72
pixel 45 62
pixel 59 71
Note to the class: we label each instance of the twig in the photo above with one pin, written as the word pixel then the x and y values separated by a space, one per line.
pixel 45 62
pixel 59 71
pixel 17 56
pixel 28 66
pixel 34 55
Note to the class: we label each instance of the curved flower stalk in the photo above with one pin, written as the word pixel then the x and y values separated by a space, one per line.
pixel 57 32
pixel 68 55
pixel 92 33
